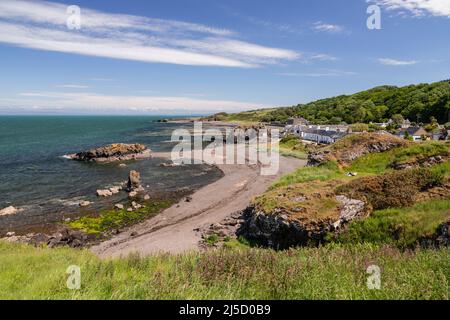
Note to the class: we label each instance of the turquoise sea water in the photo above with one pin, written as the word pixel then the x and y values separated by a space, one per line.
pixel 36 178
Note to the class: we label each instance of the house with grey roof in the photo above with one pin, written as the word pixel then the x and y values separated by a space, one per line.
pixel 318 134
pixel 417 133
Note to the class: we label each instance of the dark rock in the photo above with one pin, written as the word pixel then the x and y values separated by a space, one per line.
pixel 39 239
pixel 134 181
pixel 113 152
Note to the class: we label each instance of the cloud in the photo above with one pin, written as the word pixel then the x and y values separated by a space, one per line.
pixel 417 7
pixel 42 25
pixel 394 62
pixel 323 57
pixel 72 86
pixel 101 79
pixel 320 73
pixel 102 103
pixel 326 27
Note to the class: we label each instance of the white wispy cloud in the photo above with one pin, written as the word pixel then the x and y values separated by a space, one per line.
pixel 395 62
pixel 326 27
pixel 323 57
pixel 101 79
pixel 321 73
pixel 42 25
pixel 72 86
pixel 104 103
pixel 417 7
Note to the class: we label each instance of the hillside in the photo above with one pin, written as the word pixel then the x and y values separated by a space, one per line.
pixel 418 103
pixel 397 193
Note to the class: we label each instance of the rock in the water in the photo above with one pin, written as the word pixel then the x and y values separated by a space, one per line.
pixel 119 206
pixel 132 194
pixel 104 193
pixel 10 234
pixel 8 211
pixel 85 203
pixel 134 181
pixel 114 152
pixel 115 190
pixel 146 197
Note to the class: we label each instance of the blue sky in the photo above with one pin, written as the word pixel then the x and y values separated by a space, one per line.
pixel 206 56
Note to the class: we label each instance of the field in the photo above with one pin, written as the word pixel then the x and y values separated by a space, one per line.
pixel 331 272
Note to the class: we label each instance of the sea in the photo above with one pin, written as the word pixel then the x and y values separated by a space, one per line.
pixel 36 178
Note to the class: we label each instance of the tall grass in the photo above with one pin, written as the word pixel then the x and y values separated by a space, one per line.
pixel 332 272
pixel 326 171
pixel 402 227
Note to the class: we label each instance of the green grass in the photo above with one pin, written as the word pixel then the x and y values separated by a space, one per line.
pixel 212 239
pixel 401 227
pixel 291 146
pixel 332 272
pixel 374 163
pixel 377 163
pixel 115 219
pixel 326 171
pixel 443 169
pixel 422 151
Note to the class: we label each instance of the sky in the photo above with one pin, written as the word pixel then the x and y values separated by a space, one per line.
pixel 182 57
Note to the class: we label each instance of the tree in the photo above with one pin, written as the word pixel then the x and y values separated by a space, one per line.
pixel 433 125
pixel 398 119
pixel 359 127
pixel 408 136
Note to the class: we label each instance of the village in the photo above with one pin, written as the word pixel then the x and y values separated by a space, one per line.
pixel 403 128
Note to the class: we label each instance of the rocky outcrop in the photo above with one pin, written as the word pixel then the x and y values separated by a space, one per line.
pixel 226 229
pixel 280 231
pixel 64 237
pixel 420 163
pixel 441 238
pixel 350 210
pixel 134 181
pixel 354 146
pixel 113 152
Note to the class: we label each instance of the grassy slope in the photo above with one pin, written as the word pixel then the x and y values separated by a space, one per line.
pixel 110 219
pixel 401 227
pixel 290 146
pixel 333 272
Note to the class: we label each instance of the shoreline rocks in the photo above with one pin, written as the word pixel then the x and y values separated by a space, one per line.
pixel 134 181
pixel 104 193
pixel 279 231
pixel 9 211
pixel 63 237
pixel 113 152
pixel 85 203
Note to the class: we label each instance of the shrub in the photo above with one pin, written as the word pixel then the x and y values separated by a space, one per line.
pixel 394 189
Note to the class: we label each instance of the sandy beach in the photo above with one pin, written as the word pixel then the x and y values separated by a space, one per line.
pixel 173 230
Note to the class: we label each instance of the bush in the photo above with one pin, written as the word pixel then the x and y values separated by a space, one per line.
pixel 402 227
pixel 394 189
